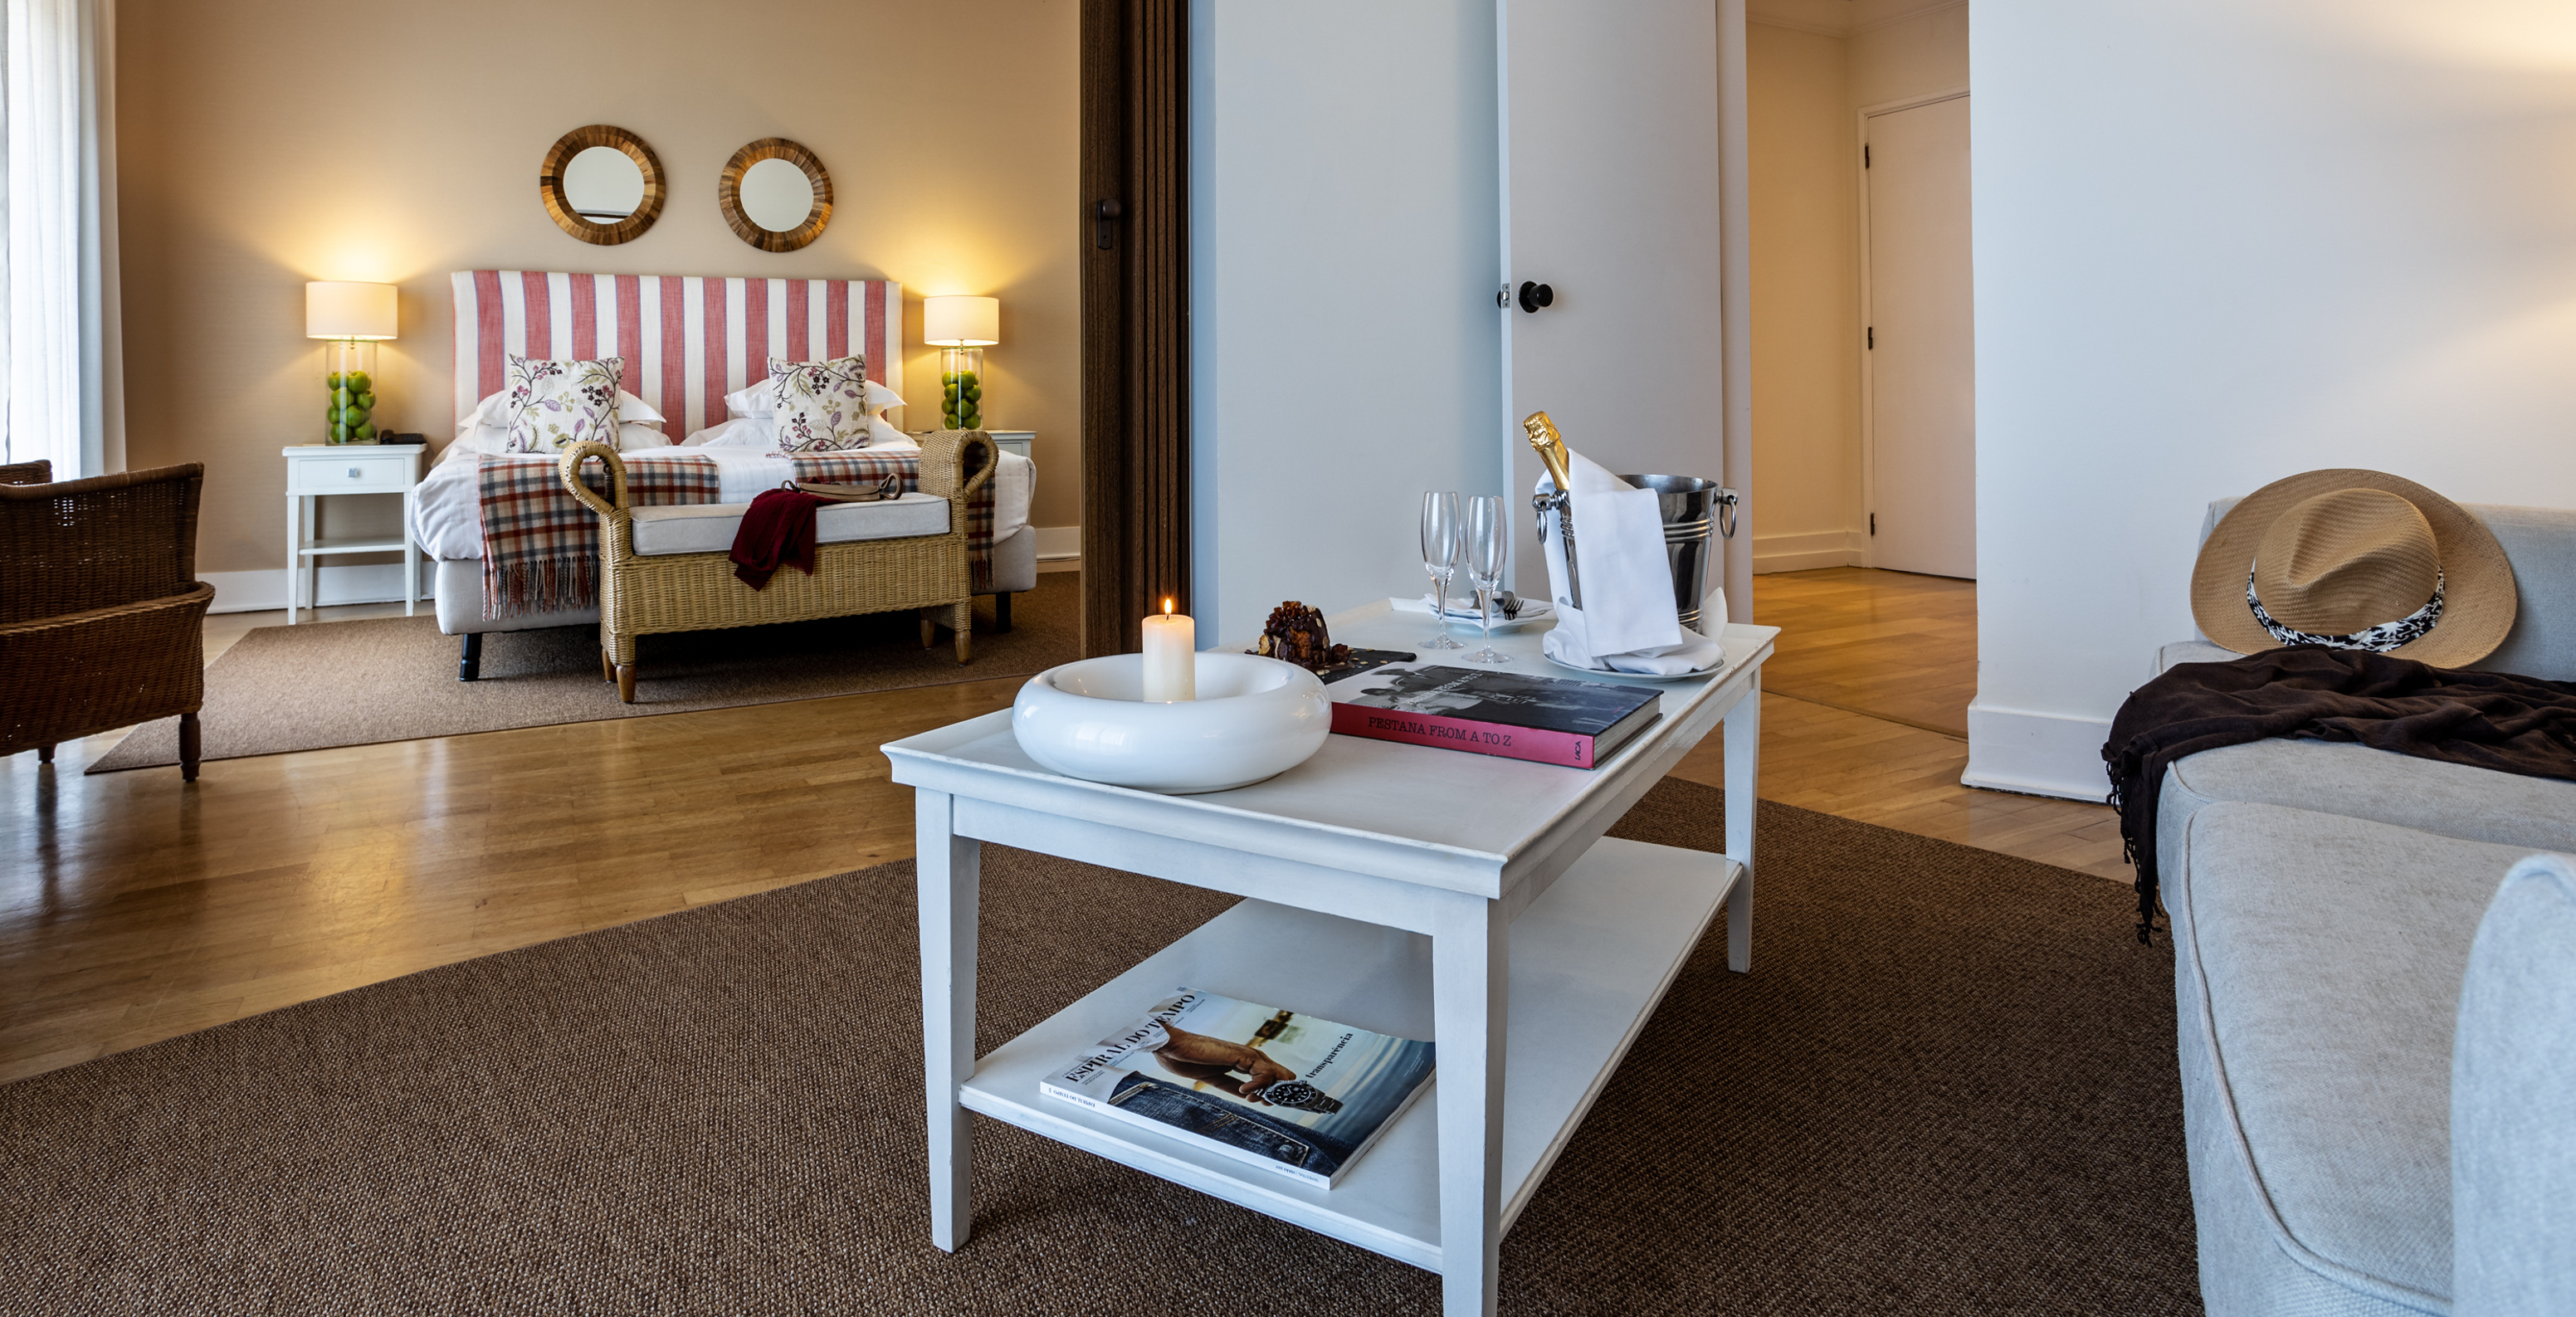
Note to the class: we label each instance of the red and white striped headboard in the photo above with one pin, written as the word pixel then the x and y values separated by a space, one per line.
pixel 688 340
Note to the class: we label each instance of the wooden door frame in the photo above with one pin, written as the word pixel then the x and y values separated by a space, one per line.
pixel 1135 317
pixel 1860 232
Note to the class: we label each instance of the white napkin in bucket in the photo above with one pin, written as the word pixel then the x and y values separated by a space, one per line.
pixel 1627 623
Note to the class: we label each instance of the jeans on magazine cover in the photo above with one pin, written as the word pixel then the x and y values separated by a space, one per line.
pixel 1230 1123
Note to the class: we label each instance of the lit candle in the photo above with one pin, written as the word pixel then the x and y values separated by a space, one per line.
pixel 1171 663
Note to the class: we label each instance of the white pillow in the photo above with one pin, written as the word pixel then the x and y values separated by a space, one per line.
pixel 495 439
pixel 762 432
pixel 740 432
pixel 495 410
pixel 759 400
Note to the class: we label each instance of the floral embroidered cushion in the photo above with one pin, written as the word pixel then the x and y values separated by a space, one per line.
pixel 819 405
pixel 556 404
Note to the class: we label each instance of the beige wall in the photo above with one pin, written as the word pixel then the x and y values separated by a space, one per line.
pixel 1916 56
pixel 1806 375
pixel 263 143
pixel 1811 69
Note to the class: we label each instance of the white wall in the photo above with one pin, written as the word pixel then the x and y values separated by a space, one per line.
pixel 2222 241
pixel 1344 352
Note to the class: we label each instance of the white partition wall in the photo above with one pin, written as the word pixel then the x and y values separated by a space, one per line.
pixel 1365 179
pixel 2222 241
pixel 1344 348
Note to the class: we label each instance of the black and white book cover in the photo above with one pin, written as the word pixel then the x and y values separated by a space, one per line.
pixel 1293 1094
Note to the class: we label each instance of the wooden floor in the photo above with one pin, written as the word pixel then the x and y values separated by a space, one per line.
pixel 1865 715
pixel 1888 644
pixel 134 908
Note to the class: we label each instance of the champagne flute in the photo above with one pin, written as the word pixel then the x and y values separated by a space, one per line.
pixel 1488 545
pixel 1440 559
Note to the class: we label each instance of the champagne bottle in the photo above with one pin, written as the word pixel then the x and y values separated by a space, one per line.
pixel 1556 509
pixel 1543 436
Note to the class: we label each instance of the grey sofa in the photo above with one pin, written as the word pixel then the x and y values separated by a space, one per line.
pixel 2324 902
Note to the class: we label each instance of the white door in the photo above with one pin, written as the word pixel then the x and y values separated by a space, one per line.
pixel 1919 357
pixel 1610 198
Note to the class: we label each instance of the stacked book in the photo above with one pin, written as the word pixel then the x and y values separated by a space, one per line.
pixel 1292 1094
pixel 1550 720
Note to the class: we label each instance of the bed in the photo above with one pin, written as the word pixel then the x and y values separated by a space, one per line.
pixel 688 341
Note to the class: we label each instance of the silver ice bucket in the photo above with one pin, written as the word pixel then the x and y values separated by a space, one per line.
pixel 1688 503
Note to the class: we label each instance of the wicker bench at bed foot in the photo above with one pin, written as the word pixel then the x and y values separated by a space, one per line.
pixel 624 674
pixel 654 594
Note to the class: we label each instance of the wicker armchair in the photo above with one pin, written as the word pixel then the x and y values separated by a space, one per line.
pixel 102 622
pixel 648 594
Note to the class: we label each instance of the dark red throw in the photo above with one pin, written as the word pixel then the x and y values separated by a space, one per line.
pixel 2496 720
pixel 778 531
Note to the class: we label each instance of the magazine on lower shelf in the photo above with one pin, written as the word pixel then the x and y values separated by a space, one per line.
pixel 1293 1094
pixel 1489 711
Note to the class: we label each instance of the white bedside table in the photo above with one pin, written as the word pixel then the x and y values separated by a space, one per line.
pixel 316 471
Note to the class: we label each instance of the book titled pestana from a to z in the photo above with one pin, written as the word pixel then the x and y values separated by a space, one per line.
pixel 1548 720
pixel 1293 1094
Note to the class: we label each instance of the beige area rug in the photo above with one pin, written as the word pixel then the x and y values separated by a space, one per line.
pixel 1947 1087
pixel 325 684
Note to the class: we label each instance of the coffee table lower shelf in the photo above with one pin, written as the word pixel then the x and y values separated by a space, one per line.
pixel 1590 958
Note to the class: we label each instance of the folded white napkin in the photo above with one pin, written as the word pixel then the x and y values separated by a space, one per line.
pixel 1627 622
pixel 1695 653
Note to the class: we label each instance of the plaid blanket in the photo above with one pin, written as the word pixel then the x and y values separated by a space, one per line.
pixel 541 546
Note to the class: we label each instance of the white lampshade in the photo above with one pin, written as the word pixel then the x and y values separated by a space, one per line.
pixel 961 322
pixel 348 310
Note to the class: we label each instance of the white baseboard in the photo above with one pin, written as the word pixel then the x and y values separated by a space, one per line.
pixel 2036 754
pixel 265 590
pixel 1057 543
pixel 1798 553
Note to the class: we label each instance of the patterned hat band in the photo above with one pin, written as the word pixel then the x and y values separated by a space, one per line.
pixel 2379 639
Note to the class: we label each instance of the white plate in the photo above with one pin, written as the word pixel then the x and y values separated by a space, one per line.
pixel 1641 676
pixel 1535 610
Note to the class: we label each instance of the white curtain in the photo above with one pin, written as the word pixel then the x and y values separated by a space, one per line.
pixel 64 371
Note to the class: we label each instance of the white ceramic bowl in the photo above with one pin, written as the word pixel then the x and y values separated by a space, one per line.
pixel 1254 718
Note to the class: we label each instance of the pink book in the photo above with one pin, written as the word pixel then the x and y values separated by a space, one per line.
pixel 1547 720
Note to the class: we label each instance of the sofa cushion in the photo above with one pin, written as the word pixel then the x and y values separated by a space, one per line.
pixel 2192 651
pixel 2513 1102
pixel 2328 952
pixel 709 527
pixel 2358 781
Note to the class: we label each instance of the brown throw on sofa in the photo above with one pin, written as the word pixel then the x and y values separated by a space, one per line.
pixel 2483 719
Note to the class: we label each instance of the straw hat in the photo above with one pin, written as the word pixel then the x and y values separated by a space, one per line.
pixel 2354 560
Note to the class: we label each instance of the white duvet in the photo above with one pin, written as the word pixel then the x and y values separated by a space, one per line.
pixel 447 521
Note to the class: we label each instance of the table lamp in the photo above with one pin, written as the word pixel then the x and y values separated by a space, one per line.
pixel 961 327
pixel 351 318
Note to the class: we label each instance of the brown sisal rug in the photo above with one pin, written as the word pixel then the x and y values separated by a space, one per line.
pixel 394 678
pixel 1948 1086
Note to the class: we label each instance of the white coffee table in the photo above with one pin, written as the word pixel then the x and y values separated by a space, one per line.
pixel 1415 891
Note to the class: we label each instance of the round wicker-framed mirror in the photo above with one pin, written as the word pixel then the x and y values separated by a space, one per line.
pixel 759 198
pixel 601 184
